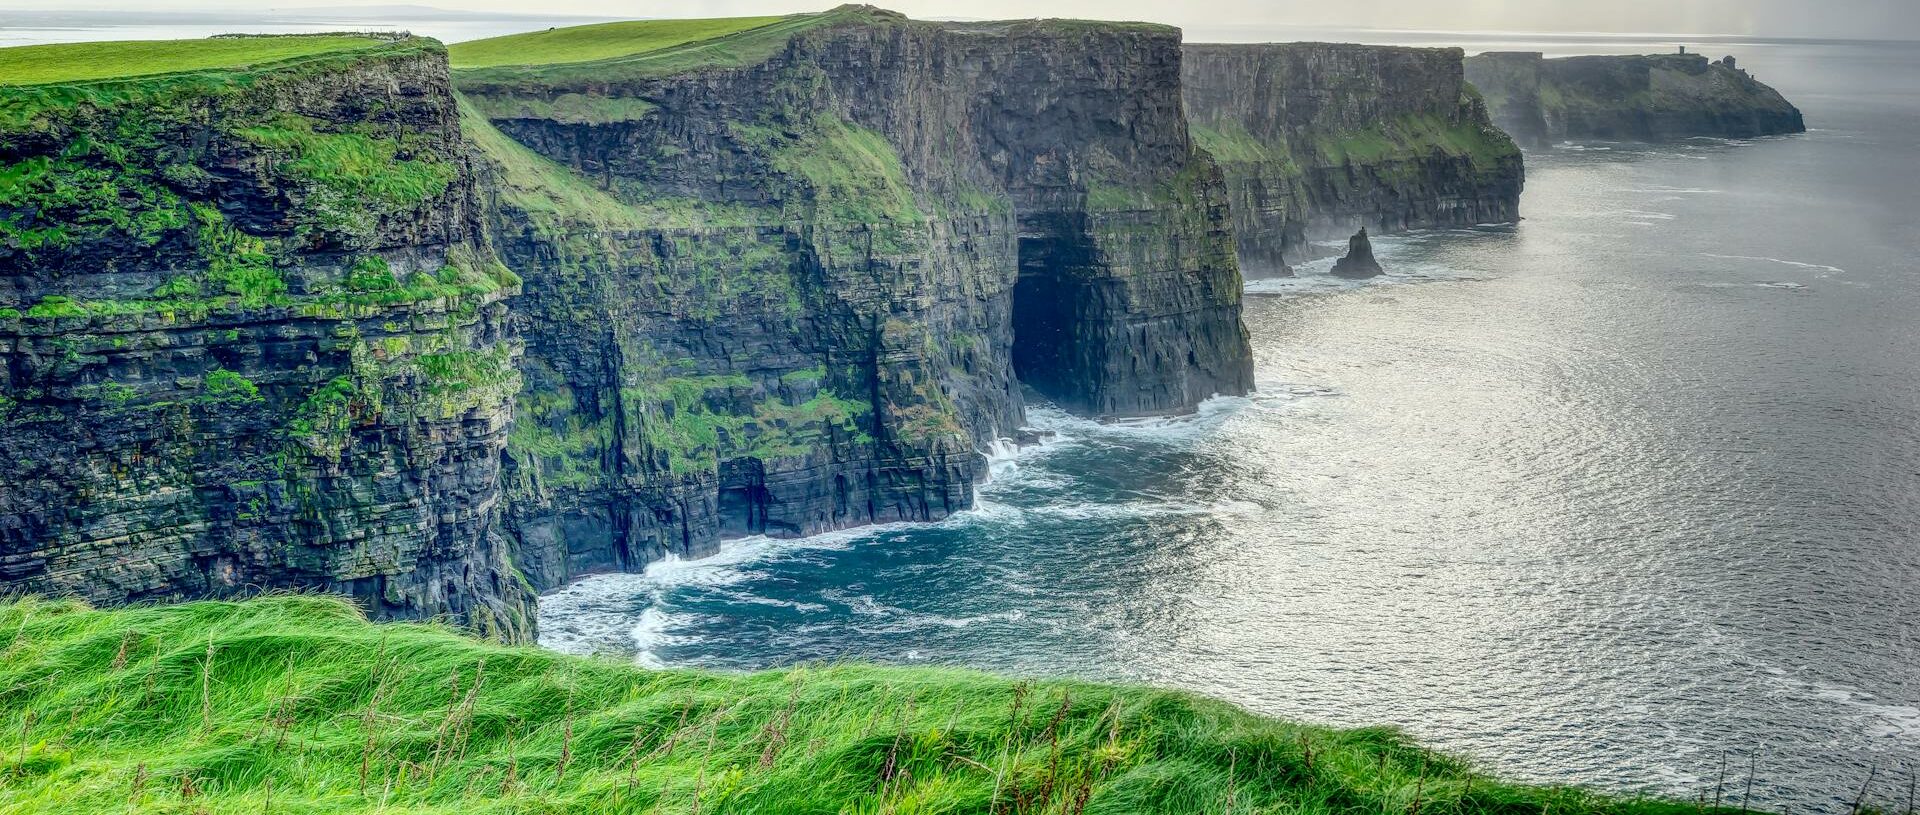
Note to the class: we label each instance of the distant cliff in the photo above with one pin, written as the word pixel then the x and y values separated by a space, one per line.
pixel 1318 139
pixel 789 280
pixel 1657 97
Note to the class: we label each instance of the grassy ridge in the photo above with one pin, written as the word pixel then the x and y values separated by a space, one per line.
pixel 587 43
pixel 297 705
pixel 84 61
pixel 715 48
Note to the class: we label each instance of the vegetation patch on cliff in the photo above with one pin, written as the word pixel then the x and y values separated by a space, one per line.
pixel 297 704
pixel 556 197
pixel 1412 136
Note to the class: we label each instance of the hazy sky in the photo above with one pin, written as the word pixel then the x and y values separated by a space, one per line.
pixel 1814 18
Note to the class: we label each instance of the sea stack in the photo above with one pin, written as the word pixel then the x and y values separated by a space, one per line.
pixel 1359 263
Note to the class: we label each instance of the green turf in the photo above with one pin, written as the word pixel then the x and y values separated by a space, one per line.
pixel 296 704
pixel 741 47
pixel 83 61
pixel 588 43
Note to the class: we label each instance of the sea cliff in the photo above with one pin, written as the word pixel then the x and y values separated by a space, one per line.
pixel 1317 140
pixel 251 337
pixel 320 320
pixel 1658 97
pixel 798 273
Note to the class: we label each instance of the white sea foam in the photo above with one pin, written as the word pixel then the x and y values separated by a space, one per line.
pixel 1003 458
pixel 1204 420
pixel 1827 271
pixel 1660 190
pixel 654 631
pixel 876 617
pixel 1899 722
pixel 597 612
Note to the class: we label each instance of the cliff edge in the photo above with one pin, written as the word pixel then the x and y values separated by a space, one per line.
pixel 1659 97
pixel 292 312
pixel 250 333
pixel 1319 139
pixel 790 278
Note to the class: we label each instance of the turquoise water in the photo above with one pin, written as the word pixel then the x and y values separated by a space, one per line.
pixel 1604 497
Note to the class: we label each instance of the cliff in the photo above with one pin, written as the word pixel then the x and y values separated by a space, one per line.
pixel 263 319
pixel 249 334
pixel 1316 140
pixel 788 279
pixel 1658 97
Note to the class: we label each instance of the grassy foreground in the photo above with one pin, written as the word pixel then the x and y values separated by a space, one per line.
pixel 83 61
pixel 296 704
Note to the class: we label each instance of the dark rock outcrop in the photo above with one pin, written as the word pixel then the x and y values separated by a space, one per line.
pixel 780 286
pixel 250 337
pixel 793 295
pixel 1358 263
pixel 1659 97
pixel 1318 139
pixel 341 327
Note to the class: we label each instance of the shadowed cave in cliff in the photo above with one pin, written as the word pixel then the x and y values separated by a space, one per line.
pixel 1050 299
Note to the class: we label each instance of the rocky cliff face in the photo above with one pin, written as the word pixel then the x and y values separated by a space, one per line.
pixel 1658 97
pixel 1317 139
pixel 249 337
pixel 261 328
pixel 789 281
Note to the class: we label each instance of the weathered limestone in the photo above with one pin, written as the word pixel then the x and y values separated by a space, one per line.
pixel 1358 264
pixel 1318 139
pixel 277 354
pixel 809 283
pixel 1658 97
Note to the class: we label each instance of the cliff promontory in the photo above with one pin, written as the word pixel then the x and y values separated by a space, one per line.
pixel 789 279
pixel 1659 97
pixel 1319 139
pixel 293 312
pixel 250 333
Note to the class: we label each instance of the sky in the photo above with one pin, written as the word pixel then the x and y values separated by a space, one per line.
pixel 1873 19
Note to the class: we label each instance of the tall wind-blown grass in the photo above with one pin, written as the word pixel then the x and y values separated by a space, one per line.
pixel 296 704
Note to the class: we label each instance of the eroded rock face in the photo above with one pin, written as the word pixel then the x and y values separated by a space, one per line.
pixel 787 292
pixel 805 286
pixel 1318 139
pixel 274 352
pixel 1658 97
pixel 1358 264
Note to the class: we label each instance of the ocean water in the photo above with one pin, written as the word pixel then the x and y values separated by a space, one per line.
pixel 1610 496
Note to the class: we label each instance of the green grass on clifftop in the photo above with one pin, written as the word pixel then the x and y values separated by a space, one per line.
pixel 298 705
pixel 84 61
pixel 571 57
pixel 587 43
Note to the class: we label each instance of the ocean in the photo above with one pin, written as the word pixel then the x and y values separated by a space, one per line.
pixel 1621 495
pixel 1627 494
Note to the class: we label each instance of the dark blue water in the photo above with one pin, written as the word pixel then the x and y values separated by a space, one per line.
pixel 1602 498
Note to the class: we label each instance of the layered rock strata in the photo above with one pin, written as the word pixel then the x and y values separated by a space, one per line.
pixel 1317 139
pixel 791 280
pixel 1659 97
pixel 251 337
